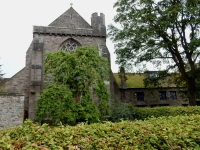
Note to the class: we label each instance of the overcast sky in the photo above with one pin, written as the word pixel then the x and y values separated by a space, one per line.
pixel 19 16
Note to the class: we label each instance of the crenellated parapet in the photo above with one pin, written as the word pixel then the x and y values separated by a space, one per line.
pixel 98 22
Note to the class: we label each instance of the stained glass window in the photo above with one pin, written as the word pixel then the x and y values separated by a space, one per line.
pixel 70 45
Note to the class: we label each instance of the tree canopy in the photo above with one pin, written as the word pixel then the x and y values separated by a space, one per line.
pixel 160 32
pixel 77 91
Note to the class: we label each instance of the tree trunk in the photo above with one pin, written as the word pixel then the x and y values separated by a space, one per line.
pixel 191 97
pixel 191 92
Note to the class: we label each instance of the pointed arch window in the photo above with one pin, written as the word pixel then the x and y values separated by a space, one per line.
pixel 70 45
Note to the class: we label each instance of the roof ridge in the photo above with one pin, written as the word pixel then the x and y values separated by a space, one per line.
pixel 59 22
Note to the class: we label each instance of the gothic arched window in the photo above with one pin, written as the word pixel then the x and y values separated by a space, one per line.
pixel 70 45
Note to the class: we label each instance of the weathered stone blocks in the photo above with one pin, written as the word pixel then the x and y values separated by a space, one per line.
pixel 11 110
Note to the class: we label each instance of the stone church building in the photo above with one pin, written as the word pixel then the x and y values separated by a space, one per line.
pixel 66 33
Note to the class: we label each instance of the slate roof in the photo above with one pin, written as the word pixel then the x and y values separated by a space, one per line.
pixel 70 19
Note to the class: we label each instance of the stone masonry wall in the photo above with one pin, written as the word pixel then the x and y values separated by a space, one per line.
pixel 70 25
pixel 11 110
pixel 49 43
pixel 151 97
pixel 15 84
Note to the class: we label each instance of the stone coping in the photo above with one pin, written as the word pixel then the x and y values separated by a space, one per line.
pixel 69 31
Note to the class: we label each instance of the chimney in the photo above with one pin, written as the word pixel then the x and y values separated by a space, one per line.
pixel 123 78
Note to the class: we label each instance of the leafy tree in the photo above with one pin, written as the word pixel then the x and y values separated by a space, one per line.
pixel 160 32
pixel 77 91
pixel 1 74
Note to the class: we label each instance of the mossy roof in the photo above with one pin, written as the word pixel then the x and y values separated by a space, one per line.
pixel 135 80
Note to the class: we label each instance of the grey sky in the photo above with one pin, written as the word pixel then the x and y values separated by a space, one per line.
pixel 19 16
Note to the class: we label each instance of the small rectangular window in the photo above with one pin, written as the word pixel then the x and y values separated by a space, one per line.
pixel 198 103
pixel 198 94
pixel 140 96
pixel 173 95
pixel 162 95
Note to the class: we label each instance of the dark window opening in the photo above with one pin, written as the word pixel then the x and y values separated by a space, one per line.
pixel 198 103
pixel 162 95
pixel 25 114
pixel 173 95
pixel 164 105
pixel 198 94
pixel 140 105
pixel 140 96
pixel 154 105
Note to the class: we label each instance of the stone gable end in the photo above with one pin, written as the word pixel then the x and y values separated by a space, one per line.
pixel 70 19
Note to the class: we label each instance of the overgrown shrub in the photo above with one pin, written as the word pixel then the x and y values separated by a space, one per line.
pixel 77 79
pixel 145 112
pixel 56 105
pixel 180 132
pixel 120 110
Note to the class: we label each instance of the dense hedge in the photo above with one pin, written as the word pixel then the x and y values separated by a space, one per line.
pixel 155 133
pixel 127 111
pixel 119 111
pixel 145 112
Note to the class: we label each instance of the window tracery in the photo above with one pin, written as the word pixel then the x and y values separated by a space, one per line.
pixel 70 45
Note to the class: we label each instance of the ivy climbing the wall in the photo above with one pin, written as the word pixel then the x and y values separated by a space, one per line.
pixel 77 91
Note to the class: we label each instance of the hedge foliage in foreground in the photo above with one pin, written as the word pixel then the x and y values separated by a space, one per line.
pixel 155 133
pixel 127 111
pixel 145 112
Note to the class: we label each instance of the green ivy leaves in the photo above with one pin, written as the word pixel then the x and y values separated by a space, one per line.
pixel 77 92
